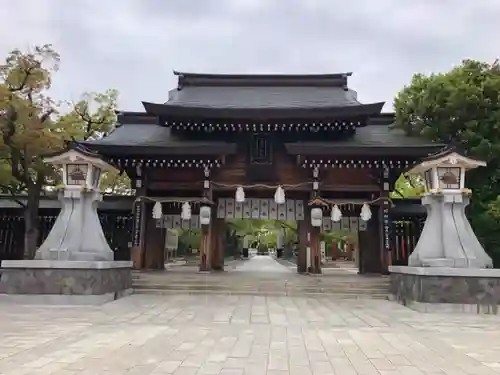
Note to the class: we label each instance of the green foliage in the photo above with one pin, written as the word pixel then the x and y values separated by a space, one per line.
pixel 115 183
pixel 32 125
pixel 264 231
pixel 408 187
pixel 462 108
pixel 187 238
pixel 91 117
pixel 27 124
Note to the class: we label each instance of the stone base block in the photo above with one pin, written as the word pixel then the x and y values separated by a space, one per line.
pixel 441 289
pixel 67 282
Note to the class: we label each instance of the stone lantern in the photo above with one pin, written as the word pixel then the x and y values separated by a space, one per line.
pixel 447 239
pixel 77 233
pixel 75 264
pixel 448 270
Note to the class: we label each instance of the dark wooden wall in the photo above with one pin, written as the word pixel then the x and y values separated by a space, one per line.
pixel 115 213
pixel 284 170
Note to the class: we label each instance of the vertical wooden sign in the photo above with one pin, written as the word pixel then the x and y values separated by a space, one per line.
pixel 136 238
pixel 385 218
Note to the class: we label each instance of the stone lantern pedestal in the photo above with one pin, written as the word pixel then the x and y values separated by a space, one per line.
pixel 75 263
pixel 449 270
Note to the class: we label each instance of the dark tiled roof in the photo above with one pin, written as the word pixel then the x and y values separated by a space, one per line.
pixel 202 79
pixel 263 96
pixel 258 97
pixel 259 91
pixel 264 113
pixel 75 146
pixel 380 139
pixel 135 139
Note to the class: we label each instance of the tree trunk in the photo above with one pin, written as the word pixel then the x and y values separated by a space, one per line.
pixel 31 223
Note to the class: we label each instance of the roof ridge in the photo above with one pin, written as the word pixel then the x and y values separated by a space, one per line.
pixel 259 80
pixel 262 75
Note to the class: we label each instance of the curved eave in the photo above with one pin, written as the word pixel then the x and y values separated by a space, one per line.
pixel 328 150
pixel 168 110
pixel 179 150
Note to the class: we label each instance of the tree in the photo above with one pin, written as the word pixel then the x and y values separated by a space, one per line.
pixel 408 187
pixel 31 126
pixel 116 183
pixel 462 108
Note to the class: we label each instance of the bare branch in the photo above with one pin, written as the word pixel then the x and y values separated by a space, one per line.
pixel 46 115
pixel 399 193
pixel 22 85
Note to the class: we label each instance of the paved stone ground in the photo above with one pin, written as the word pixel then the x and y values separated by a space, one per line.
pixel 234 335
pixel 244 335
pixel 265 264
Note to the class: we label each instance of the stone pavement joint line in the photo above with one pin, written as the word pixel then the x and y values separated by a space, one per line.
pixel 248 335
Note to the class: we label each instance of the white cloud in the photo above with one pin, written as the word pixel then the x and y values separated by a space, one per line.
pixel 134 45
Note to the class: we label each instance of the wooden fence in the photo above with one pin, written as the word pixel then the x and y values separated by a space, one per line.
pixel 407 218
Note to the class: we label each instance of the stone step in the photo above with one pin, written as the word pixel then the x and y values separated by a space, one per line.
pixel 240 283
pixel 228 283
pixel 339 295
pixel 367 288
pixel 244 275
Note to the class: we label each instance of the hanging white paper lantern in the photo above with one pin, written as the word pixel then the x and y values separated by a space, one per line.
pixel 205 213
pixel 186 211
pixel 366 213
pixel 240 195
pixel 316 217
pixel 336 213
pixel 157 212
pixel 279 196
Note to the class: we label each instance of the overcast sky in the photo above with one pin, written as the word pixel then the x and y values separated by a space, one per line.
pixel 133 45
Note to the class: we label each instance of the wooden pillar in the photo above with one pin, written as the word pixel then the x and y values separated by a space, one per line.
pixel 335 250
pixel 206 229
pixel 313 234
pixel 221 242
pixel 154 248
pixel 350 250
pixel 205 248
pixel 314 237
pixel 216 245
pixel 302 229
pixel 370 245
